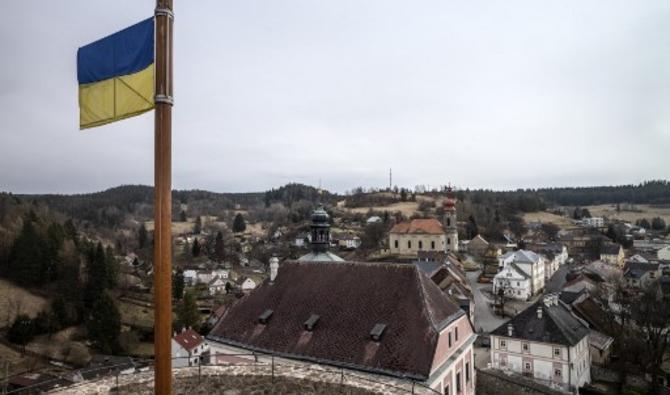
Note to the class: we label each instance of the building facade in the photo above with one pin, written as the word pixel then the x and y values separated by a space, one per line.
pixel 517 265
pixel 188 349
pixel 547 343
pixel 409 237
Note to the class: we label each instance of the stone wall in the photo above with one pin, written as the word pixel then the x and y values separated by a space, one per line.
pixel 496 382
pixel 315 373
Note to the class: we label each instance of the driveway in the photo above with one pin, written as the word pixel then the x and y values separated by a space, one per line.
pixel 484 320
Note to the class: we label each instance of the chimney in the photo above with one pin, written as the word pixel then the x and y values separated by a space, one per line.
pixel 274 268
pixel 510 330
pixel 539 312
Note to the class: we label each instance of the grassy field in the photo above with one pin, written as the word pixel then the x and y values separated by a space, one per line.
pixel 545 217
pixel 645 211
pixel 16 300
pixel 136 316
pixel 406 208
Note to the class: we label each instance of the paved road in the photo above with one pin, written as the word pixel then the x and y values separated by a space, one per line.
pixel 484 320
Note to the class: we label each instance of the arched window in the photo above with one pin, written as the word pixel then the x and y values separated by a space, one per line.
pixel 448 221
pixel 432 245
pixel 396 244
pixel 448 241
pixel 409 244
pixel 420 244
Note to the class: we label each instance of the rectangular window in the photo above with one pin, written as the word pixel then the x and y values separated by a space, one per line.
pixel 396 244
pixel 420 244
pixel 456 333
pixel 449 339
pixel 458 382
pixel 409 244
pixel 557 352
pixel 432 245
pixel 447 391
pixel 503 344
pixel 467 372
pixel 525 347
pixel 558 373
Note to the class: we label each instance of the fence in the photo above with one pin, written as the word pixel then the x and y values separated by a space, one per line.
pixel 116 376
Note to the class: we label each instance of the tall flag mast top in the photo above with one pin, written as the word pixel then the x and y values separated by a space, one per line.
pixel 120 76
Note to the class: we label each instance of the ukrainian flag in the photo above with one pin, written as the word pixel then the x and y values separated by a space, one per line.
pixel 116 76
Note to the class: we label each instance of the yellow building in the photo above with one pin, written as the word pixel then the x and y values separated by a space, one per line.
pixel 410 237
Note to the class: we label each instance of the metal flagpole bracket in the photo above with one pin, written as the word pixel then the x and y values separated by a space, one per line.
pixel 164 99
pixel 164 12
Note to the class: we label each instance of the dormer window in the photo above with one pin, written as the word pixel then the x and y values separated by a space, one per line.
pixel 265 317
pixel 311 322
pixel 377 332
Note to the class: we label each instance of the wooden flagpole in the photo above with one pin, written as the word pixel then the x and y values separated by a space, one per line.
pixel 163 200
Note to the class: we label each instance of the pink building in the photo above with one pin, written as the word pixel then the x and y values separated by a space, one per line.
pixel 383 319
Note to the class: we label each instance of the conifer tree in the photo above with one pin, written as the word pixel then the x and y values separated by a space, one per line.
pixel 238 223
pixel 104 324
pixel 178 284
pixel 187 312
pixel 142 236
pixel 196 248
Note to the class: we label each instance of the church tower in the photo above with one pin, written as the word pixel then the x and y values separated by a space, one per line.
pixel 451 221
pixel 320 233
pixel 320 230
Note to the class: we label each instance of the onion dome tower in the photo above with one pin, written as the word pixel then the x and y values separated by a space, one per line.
pixel 320 233
pixel 320 230
pixel 450 220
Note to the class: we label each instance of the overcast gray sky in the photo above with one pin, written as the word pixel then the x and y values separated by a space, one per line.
pixel 494 94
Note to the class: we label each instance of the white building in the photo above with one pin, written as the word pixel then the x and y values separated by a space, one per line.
pixel 593 222
pixel 217 286
pixel 663 253
pixel 547 343
pixel 514 283
pixel 520 265
pixel 246 283
pixel 188 348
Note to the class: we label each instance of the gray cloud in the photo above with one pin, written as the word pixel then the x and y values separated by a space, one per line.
pixel 481 94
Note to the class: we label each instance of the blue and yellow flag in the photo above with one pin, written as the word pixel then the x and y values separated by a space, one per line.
pixel 116 76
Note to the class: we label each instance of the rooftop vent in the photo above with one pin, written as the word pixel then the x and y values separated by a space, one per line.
pixel 377 332
pixel 311 322
pixel 265 317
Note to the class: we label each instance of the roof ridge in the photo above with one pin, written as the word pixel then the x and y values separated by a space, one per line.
pixel 423 298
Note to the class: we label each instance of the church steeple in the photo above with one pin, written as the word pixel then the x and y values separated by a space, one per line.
pixel 450 220
pixel 320 230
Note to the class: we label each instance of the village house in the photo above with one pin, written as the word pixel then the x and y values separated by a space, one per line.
pixel 583 306
pixel 521 274
pixel 477 246
pixel 407 329
pixel 545 342
pixel 555 255
pixel 593 222
pixel 640 275
pixel 188 348
pixel 663 253
pixel 349 242
pixel 612 253
pixel 245 284
pixel 448 274
pixel 217 286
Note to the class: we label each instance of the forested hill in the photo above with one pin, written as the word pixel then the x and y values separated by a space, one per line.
pixel 649 192
pixel 112 206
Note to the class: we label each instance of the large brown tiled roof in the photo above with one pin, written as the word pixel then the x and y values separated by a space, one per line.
pixel 350 299
pixel 419 226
